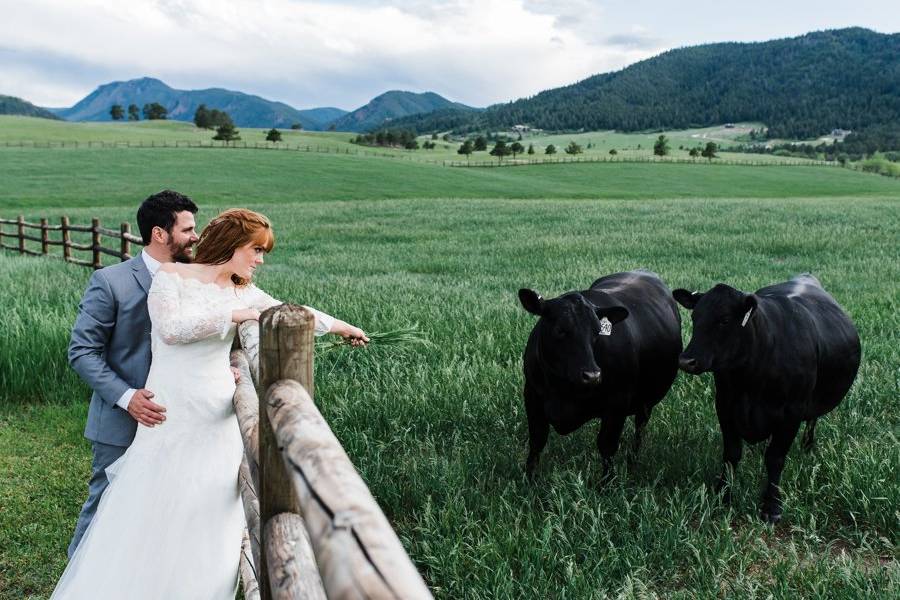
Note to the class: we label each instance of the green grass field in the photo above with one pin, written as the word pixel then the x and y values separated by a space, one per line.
pixel 439 434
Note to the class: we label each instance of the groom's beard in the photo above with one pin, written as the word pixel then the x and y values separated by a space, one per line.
pixel 181 253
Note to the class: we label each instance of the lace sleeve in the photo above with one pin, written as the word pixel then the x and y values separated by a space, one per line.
pixel 177 323
pixel 258 299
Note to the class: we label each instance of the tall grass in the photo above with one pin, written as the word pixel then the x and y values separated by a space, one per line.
pixel 439 432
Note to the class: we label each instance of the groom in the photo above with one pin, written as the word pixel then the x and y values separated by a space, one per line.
pixel 110 345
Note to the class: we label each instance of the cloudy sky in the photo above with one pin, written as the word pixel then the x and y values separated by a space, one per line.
pixel 341 53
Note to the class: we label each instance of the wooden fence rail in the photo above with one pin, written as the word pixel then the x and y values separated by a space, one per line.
pixel 314 529
pixel 65 229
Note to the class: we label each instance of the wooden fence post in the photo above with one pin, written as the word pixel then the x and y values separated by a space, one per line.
pixel 285 352
pixel 125 247
pixel 45 245
pixel 66 238
pixel 95 243
pixel 21 228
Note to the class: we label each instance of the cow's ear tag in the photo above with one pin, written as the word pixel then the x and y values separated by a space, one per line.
pixel 605 326
pixel 746 318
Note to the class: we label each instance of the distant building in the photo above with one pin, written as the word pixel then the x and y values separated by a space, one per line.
pixel 729 125
pixel 840 133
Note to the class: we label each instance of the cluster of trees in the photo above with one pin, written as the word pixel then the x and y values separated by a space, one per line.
pixel 152 111
pixel 391 138
pixel 206 118
pixel 856 146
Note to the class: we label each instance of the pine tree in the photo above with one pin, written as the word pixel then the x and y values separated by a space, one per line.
pixel 226 131
pixel 467 148
pixel 117 112
pixel 133 113
pixel 661 146
pixel 273 135
pixel 500 150
pixel 202 117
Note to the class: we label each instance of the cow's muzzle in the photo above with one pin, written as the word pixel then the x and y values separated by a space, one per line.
pixel 591 377
pixel 689 364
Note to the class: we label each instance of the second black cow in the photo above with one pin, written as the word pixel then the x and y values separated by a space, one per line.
pixel 784 355
pixel 607 352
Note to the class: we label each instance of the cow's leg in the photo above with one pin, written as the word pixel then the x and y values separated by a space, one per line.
pixel 775 454
pixel 608 441
pixel 732 447
pixel 809 434
pixel 538 429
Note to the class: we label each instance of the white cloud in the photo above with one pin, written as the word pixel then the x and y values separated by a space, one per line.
pixel 304 52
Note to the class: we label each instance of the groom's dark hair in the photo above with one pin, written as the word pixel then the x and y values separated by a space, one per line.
pixel 159 210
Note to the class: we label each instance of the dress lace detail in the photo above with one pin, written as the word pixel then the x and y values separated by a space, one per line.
pixel 178 320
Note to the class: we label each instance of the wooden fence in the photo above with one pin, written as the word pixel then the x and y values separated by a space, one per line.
pixel 64 239
pixel 313 528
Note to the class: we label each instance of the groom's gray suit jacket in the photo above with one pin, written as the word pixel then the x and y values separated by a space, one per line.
pixel 110 346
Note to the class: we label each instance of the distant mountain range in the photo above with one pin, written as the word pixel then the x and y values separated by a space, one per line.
pixel 10 105
pixel 799 87
pixel 383 109
pixel 247 110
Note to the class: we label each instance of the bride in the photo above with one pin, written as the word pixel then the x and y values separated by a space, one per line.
pixel 170 523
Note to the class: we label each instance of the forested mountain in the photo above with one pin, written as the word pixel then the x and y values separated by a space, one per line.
pixel 799 87
pixel 245 110
pixel 383 109
pixel 10 105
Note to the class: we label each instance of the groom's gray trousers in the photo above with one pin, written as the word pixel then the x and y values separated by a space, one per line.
pixel 104 455
pixel 110 350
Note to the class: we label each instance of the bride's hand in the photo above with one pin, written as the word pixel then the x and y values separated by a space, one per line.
pixel 355 335
pixel 244 314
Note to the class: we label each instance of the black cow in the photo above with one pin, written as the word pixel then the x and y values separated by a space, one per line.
pixel 781 356
pixel 607 352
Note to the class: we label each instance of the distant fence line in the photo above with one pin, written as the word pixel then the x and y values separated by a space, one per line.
pixel 65 228
pixel 637 159
pixel 279 146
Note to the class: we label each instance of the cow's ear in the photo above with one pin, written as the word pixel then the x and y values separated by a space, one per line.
pixel 531 301
pixel 750 304
pixel 615 314
pixel 687 299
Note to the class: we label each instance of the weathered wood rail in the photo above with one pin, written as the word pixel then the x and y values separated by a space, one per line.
pixel 65 228
pixel 314 529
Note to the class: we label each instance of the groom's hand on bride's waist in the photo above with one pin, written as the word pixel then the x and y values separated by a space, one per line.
pixel 144 410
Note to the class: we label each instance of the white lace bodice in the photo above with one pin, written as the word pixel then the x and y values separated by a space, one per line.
pixel 185 310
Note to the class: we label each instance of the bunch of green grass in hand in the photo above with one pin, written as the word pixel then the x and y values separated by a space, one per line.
pixel 405 336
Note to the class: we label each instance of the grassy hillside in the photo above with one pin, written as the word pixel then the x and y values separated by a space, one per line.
pixel 15 130
pixel 439 435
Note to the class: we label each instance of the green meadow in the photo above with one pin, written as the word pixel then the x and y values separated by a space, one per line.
pixel 439 434
pixel 595 144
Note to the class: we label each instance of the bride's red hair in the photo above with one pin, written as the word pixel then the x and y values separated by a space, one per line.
pixel 229 231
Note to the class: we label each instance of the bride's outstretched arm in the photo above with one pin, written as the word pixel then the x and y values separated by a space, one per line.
pixel 325 323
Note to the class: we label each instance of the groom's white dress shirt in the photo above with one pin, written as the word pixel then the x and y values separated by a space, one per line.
pixel 152 266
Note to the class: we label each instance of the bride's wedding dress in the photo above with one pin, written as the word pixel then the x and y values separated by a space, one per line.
pixel 169 526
